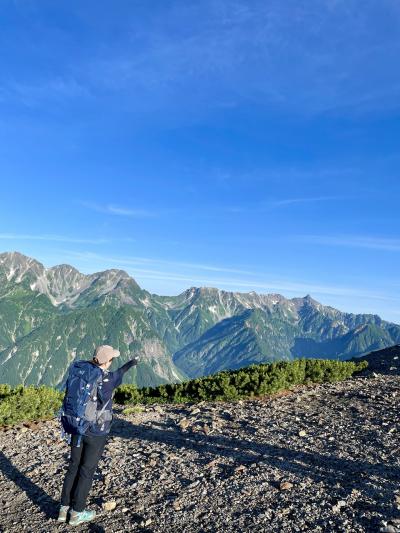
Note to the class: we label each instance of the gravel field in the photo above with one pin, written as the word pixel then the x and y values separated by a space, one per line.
pixel 319 459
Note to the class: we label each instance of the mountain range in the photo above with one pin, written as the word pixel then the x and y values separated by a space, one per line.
pixel 50 316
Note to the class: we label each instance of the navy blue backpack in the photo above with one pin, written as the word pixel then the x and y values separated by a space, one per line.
pixel 79 410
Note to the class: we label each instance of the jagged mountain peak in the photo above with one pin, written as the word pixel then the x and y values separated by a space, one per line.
pixel 64 268
pixel 201 290
pixel 17 256
pixel 193 293
pixel 17 265
pixel 309 302
pixel 63 284
pixel 113 273
pixel 205 291
pixel 210 292
pixel 204 328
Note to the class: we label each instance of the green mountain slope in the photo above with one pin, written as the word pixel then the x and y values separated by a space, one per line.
pixel 43 356
pixel 261 335
pixel 241 340
pixel 49 317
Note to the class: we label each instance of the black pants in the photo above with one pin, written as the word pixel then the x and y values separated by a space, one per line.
pixel 82 466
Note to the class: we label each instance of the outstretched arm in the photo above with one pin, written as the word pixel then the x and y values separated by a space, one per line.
pixel 117 376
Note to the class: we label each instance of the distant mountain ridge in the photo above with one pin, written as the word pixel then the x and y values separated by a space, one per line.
pixel 50 316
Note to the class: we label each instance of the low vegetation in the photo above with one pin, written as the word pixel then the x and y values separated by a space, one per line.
pixel 255 380
pixel 22 404
pixel 132 410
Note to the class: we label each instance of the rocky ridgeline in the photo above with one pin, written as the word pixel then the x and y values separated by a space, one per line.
pixel 319 459
pixel 49 317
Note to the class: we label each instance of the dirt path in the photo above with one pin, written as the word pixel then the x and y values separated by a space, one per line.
pixel 324 459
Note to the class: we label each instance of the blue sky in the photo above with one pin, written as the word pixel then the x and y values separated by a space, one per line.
pixel 235 144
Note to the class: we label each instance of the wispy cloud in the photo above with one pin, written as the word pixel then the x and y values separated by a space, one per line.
pixel 112 209
pixel 353 241
pixel 49 237
pixel 137 268
pixel 237 51
pixel 303 200
pixel 269 205
pixel 270 286
pixel 135 261
pixel 207 210
pixel 306 57
pixel 31 94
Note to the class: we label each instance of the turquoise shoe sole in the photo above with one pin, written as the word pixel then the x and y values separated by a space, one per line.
pixel 80 518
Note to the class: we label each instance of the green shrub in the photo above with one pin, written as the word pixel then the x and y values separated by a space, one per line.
pixel 5 390
pixel 255 380
pixel 28 403
pixel 20 404
pixel 127 394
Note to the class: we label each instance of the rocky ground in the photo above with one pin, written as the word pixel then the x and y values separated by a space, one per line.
pixel 319 459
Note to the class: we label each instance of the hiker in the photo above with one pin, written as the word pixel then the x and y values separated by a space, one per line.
pixel 88 430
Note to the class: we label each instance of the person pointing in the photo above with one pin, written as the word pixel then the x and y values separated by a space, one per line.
pixel 87 416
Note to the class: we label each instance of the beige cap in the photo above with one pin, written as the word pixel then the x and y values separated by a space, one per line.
pixel 105 353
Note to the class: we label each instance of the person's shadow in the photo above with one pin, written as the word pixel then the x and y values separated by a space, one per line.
pixel 47 505
pixel 36 494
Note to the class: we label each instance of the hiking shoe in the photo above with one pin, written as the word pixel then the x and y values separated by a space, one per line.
pixel 77 518
pixel 62 514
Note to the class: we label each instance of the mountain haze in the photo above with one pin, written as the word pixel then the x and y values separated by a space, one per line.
pixel 50 316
